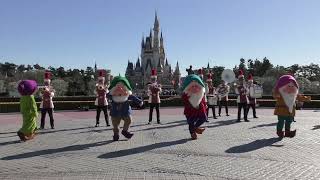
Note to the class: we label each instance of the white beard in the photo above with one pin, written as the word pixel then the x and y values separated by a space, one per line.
pixel 195 99
pixel 289 99
pixel 120 99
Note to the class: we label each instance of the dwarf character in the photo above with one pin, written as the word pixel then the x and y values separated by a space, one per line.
pixel 195 108
pixel 120 94
pixel 28 108
pixel 286 94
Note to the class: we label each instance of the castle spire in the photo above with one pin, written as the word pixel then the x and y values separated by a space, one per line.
pixel 177 70
pixel 142 42
pixel 156 21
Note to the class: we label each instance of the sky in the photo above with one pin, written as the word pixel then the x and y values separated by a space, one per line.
pixel 78 33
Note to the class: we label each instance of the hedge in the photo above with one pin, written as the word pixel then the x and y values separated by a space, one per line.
pixel 6 107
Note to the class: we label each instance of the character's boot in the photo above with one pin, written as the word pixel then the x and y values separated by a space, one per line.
pixel 199 130
pixel 280 134
pixel 116 137
pixel 194 136
pixel 127 134
pixel 290 134
pixel 21 136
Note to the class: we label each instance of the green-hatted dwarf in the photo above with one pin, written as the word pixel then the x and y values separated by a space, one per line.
pixel 120 94
pixel 28 108
pixel 195 108
pixel 286 95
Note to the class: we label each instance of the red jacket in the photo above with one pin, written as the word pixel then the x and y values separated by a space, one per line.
pixel 190 111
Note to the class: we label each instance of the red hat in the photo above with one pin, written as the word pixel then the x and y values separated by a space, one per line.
pixel 101 74
pixel 240 75
pixel 153 73
pixel 250 77
pixel 209 77
pixel 47 76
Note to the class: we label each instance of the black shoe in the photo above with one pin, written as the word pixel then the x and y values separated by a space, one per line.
pixel 219 115
pixel 207 121
pixel 149 122
pixel 108 125
pixel 215 118
pixel 238 120
pixel 158 122
pixel 41 128
pixel 116 137
pixel 246 120
pixel 97 125
pixel 52 127
pixel 228 115
pixel 127 134
pixel 255 117
pixel 21 136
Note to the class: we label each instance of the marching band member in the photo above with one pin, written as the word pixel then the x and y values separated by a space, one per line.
pixel 28 108
pixel 47 104
pixel 154 90
pixel 252 99
pixel 223 92
pixel 101 101
pixel 242 99
pixel 211 96
pixel 286 94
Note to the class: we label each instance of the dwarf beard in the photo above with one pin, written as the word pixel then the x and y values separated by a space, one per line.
pixel 119 99
pixel 195 99
pixel 289 99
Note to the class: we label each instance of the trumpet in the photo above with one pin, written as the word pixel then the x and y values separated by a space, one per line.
pixel 101 87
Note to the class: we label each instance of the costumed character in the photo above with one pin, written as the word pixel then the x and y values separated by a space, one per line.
pixel 120 94
pixel 286 95
pixel 195 108
pixel 28 109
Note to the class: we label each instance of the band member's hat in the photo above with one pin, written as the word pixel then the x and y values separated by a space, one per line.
pixel 101 75
pixel 250 77
pixel 153 73
pixel 47 77
pixel 240 75
pixel 209 77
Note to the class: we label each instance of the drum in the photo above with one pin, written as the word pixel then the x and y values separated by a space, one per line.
pixel 212 100
pixel 256 91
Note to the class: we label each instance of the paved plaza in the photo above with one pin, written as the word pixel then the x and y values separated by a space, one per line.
pixel 226 150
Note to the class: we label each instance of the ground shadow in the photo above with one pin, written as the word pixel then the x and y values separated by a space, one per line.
pixel 9 142
pixel 12 132
pixel 141 149
pixel 264 125
pixel 315 127
pixel 257 144
pixel 162 126
pixel 59 130
pixel 222 123
pixel 57 150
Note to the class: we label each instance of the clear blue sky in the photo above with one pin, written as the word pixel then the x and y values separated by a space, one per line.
pixel 75 33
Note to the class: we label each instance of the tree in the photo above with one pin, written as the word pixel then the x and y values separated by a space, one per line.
pixel 60 86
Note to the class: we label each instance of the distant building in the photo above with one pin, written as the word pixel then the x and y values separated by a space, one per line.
pixel 153 57
pixel 3 89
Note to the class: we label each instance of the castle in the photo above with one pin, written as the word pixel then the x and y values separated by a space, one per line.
pixel 153 57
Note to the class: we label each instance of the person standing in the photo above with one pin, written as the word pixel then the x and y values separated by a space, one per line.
pixel 47 104
pixel 252 99
pixel 154 90
pixel 242 97
pixel 211 96
pixel 101 101
pixel 223 92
